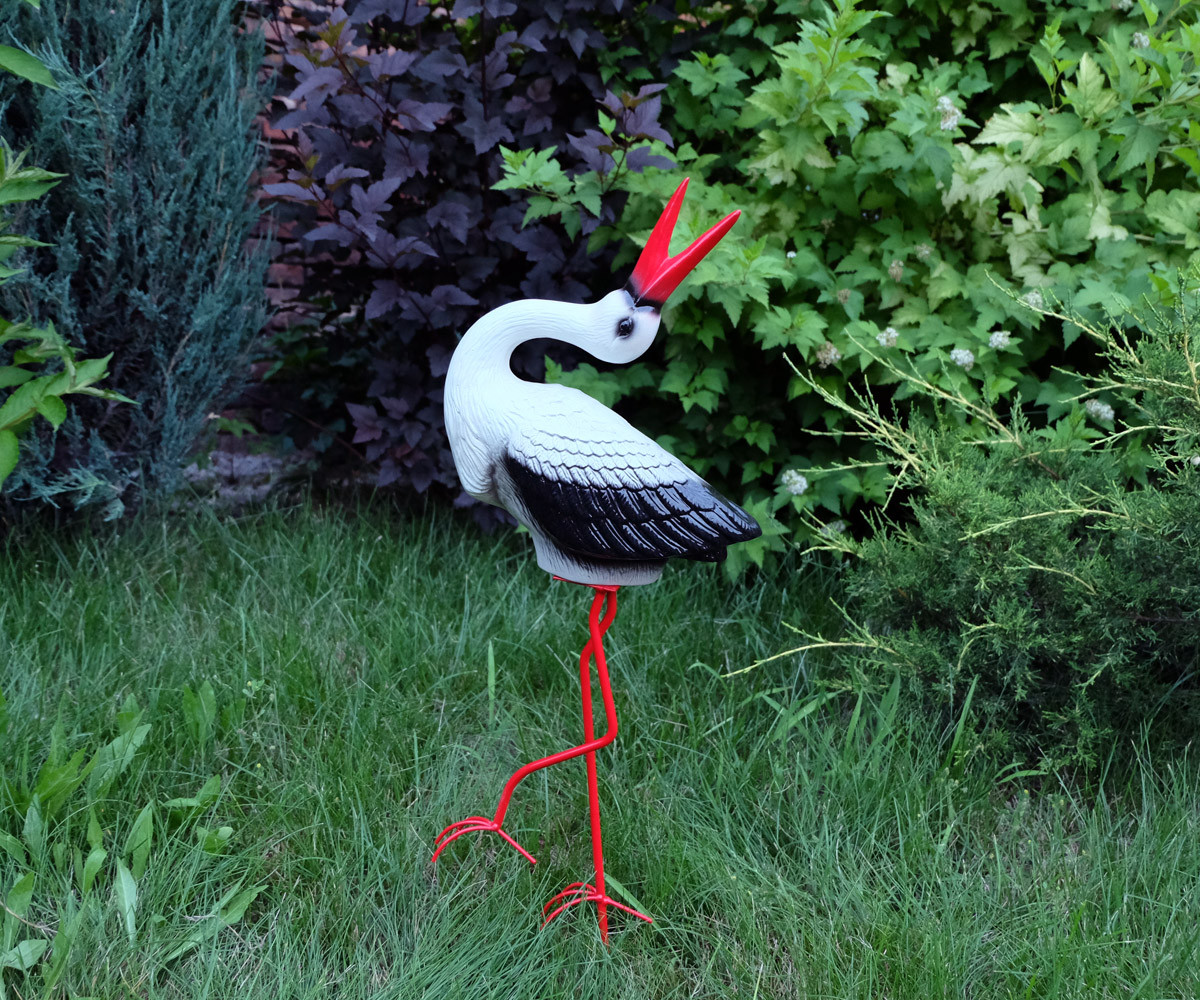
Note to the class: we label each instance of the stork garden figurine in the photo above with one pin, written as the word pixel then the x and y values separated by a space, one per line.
pixel 606 506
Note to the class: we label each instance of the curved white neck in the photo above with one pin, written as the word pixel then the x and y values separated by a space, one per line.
pixel 489 343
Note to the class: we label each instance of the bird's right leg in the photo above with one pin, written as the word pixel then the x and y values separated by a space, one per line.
pixel 481 824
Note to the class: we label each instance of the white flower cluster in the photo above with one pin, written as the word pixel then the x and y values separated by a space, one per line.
pixel 828 355
pixel 999 340
pixel 888 338
pixel 951 116
pixel 1140 40
pixel 1124 6
pixel 924 251
pixel 1033 300
pixel 963 358
pixel 896 270
pixel 794 482
pixel 791 254
pixel 1099 410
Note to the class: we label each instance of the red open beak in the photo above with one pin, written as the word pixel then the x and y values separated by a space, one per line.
pixel 656 275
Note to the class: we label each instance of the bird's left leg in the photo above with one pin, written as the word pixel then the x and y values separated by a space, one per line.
pixel 481 824
pixel 584 892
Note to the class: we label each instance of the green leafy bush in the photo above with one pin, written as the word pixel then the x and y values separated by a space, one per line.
pixel 44 369
pixel 1026 570
pixel 153 124
pixel 915 179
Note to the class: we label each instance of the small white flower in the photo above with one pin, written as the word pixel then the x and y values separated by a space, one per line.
pixel 1196 460
pixel 828 355
pixel 791 254
pixel 1033 300
pixel 963 358
pixel 896 270
pixel 1140 40
pixel 950 114
pixel 1099 410
pixel 794 482
pixel 888 338
pixel 833 528
pixel 999 340
pixel 923 251
pixel 1124 6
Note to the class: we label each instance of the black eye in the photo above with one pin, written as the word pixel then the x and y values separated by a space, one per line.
pixel 625 327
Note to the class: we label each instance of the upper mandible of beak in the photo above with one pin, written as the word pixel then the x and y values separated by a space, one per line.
pixel 656 275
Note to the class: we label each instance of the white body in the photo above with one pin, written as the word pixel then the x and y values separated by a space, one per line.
pixel 491 412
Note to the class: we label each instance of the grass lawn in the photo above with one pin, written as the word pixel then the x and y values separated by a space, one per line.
pixel 352 715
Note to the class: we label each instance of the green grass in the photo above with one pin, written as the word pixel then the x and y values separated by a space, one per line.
pixel 352 718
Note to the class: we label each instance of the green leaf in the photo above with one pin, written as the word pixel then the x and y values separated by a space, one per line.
pixel 34 831
pixel 27 66
pixel 12 847
pixel 140 840
pixel 53 409
pixel 91 868
pixel 8 454
pixel 126 892
pixel 20 895
pixel 1008 126
pixel 229 910
pixel 25 955
pixel 113 758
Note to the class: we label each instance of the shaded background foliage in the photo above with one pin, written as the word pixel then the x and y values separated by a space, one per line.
pixel 153 124
pixel 392 117
pixel 917 178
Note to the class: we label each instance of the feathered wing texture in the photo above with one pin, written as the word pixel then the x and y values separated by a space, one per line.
pixel 602 490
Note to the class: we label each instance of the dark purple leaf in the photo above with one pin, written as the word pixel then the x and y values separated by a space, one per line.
pixel 375 198
pixel 289 189
pixel 342 171
pixel 404 157
pixel 419 116
pixel 330 231
pixel 404 12
pixel 325 81
pixel 492 8
pixel 439 360
pixel 642 121
pixel 440 64
pixel 396 408
pixel 385 64
pixel 386 296
pixel 484 132
pixel 646 91
pixel 640 157
pixel 451 295
pixel 452 216
pixel 356 110
pixel 595 148
pixel 577 39
pixel 366 422
pixel 539 244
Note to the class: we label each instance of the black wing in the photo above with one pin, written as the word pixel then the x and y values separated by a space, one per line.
pixel 622 500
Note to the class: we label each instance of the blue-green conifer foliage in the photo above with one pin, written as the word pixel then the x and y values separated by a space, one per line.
pixel 150 253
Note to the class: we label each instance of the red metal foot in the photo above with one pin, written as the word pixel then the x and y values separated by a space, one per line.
pixel 585 892
pixel 475 824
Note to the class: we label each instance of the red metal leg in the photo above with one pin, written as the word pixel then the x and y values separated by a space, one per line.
pixel 600 617
pixel 583 892
pixel 481 824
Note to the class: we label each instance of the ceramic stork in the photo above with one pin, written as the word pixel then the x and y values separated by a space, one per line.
pixel 605 504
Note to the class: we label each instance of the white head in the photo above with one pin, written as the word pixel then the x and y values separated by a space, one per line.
pixel 617 330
